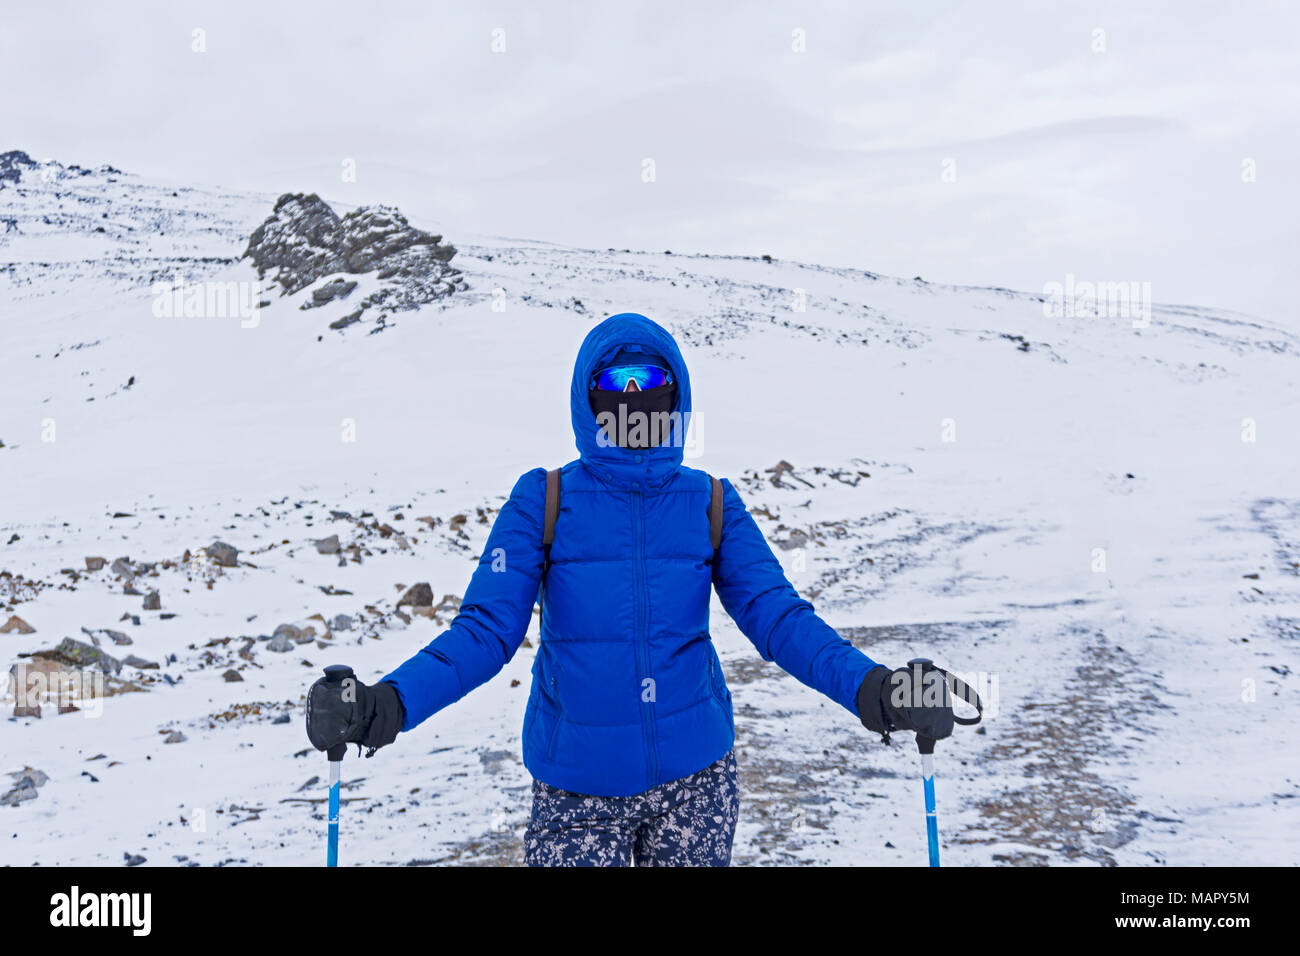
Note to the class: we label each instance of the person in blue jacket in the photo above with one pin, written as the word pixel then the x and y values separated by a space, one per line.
pixel 628 731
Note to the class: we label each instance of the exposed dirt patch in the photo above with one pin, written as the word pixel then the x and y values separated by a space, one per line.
pixel 1067 808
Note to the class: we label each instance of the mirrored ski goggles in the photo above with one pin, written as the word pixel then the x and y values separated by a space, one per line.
pixel 617 377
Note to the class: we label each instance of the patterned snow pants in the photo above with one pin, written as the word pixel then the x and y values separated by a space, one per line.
pixel 686 822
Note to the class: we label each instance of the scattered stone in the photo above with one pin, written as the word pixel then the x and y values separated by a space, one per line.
pixel 280 644
pixel 233 676
pixel 153 601
pixel 133 860
pixel 127 588
pixel 139 662
pixel 16 624
pixel 95 564
pixel 175 737
pixel 17 795
pixel 417 595
pixel 450 604
pixel 328 545
pixel 289 632
pixel 117 637
pixel 341 622
pixel 282 719
pixel 81 655
pixel 340 288
pixel 37 778
pixel 123 568
pixel 26 783
pixel 223 554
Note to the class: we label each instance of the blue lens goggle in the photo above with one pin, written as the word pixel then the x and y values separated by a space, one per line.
pixel 617 377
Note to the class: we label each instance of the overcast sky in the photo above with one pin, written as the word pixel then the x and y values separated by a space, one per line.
pixel 1119 164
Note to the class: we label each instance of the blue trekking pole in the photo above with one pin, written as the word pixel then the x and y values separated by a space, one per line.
pixel 925 745
pixel 335 755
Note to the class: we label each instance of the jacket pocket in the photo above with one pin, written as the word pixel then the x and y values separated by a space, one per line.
pixel 718 684
pixel 558 717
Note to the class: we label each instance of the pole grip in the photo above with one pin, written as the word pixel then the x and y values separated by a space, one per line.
pixel 338 673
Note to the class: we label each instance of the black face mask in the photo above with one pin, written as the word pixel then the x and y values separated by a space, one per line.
pixel 640 419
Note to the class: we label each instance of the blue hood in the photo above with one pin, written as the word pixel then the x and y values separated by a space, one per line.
pixel 626 467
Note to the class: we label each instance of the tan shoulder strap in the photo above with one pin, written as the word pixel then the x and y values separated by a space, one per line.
pixel 715 513
pixel 552 510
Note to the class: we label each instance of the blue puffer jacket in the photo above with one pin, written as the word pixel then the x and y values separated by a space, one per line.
pixel 627 690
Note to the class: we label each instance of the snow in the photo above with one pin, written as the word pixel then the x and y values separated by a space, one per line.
pixel 1144 712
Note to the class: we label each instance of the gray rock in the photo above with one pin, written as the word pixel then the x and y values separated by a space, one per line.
pixel 328 545
pixel 82 655
pixel 29 776
pixel 132 661
pixel 338 289
pixel 153 601
pixel 417 595
pixel 290 631
pixel 280 644
pixel 17 795
pixel 233 676
pixel 223 554
pixel 341 622
pixel 95 564
pixel 175 737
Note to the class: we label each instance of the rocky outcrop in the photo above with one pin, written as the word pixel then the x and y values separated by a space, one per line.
pixel 304 241
pixel 12 165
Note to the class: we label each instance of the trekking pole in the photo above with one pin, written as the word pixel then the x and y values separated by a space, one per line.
pixel 925 745
pixel 335 674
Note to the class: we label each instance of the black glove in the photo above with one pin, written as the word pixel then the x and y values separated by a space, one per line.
pixel 349 712
pixel 906 698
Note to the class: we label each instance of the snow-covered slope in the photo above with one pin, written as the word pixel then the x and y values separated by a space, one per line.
pixel 1069 508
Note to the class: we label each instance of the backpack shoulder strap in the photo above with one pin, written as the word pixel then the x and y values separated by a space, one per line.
pixel 552 511
pixel 715 513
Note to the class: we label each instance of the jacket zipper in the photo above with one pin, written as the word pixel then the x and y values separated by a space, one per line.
pixel 643 651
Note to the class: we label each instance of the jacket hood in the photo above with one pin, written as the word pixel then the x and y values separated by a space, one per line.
pixel 627 467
